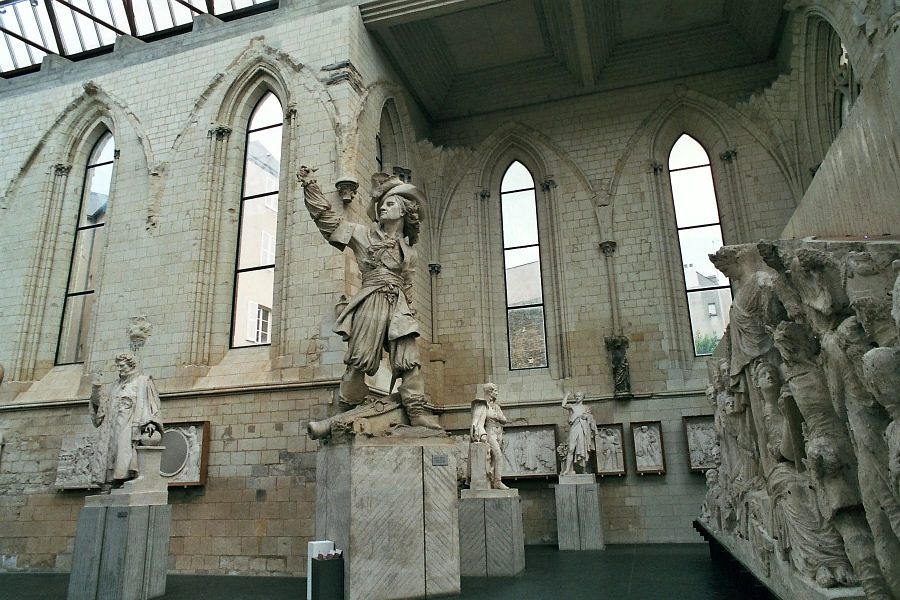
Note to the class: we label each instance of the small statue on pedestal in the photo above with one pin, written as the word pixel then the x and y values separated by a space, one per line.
pixel 487 428
pixel 132 416
pixel 582 431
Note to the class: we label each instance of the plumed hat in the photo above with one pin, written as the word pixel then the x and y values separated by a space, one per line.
pixel 384 185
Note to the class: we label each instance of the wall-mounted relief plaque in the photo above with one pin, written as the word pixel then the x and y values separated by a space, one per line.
pixel 703 448
pixel 649 457
pixel 529 451
pixel 184 461
pixel 610 444
pixel 81 460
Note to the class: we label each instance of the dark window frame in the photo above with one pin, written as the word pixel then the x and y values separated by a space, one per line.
pixel 238 271
pixel 537 245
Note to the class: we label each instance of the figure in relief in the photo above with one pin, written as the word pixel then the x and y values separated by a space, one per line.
pixel 379 317
pixel 487 426
pixel 582 430
pixel 609 450
pixel 647 449
pixel 132 416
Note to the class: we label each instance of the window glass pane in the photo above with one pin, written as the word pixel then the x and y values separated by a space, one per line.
pixel 75 326
pixel 516 177
pixel 695 197
pixel 519 219
pixel 86 259
pixel 267 112
pixel 257 218
pixel 687 152
pixel 98 180
pixel 253 288
pixel 527 345
pixel 523 276
pixel 263 161
pixel 103 151
pixel 709 316
pixel 696 246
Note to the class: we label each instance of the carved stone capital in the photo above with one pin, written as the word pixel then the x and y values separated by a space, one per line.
pixel 405 175
pixel 220 132
pixel 346 188
pixel 484 194
pixel 548 184
pixel 728 156
pixel 656 167
pixel 434 268
pixel 608 248
pixel 62 168
pixel 616 342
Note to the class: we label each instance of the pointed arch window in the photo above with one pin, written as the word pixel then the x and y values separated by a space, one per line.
pixel 87 252
pixel 525 324
pixel 699 234
pixel 254 279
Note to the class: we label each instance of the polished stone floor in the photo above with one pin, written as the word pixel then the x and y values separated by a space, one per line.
pixel 621 572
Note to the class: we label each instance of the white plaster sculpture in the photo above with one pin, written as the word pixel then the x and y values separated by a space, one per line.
pixel 610 457
pixel 487 428
pixel 380 315
pixel 806 403
pixel 582 429
pixel 529 451
pixel 647 448
pixel 131 414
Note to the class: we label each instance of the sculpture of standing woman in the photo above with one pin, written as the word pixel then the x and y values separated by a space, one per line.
pixel 582 429
pixel 379 317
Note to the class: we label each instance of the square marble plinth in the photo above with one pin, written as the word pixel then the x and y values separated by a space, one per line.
pixel 491 536
pixel 390 504
pixel 121 553
pixel 578 524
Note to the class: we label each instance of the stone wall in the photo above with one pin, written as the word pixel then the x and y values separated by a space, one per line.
pixel 178 108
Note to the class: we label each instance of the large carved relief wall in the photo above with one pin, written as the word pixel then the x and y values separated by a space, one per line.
pixel 806 412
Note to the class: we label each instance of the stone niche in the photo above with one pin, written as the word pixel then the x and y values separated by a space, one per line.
pixel 390 504
pixel 805 488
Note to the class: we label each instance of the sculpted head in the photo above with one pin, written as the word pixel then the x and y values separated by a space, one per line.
pixel 579 397
pixel 125 364
pixel 391 200
pixel 767 377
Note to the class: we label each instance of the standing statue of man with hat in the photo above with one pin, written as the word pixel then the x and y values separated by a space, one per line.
pixel 379 317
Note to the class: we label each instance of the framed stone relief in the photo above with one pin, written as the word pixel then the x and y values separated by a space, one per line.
pixel 647 440
pixel 79 458
pixel 610 444
pixel 80 461
pixel 529 451
pixel 184 461
pixel 703 449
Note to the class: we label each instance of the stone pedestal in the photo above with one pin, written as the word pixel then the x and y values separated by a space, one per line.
pixel 390 504
pixel 491 536
pixel 122 539
pixel 578 523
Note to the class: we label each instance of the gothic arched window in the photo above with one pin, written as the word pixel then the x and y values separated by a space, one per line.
pixel 699 235
pixel 526 331
pixel 87 253
pixel 254 279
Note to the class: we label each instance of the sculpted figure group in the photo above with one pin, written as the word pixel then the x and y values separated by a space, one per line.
pixel 806 410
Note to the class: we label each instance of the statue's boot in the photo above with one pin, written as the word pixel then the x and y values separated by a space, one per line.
pixel 412 396
pixel 499 485
pixel 419 416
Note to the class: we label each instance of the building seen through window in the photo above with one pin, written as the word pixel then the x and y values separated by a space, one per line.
pixel 526 330
pixel 258 234
pixel 699 235
pixel 87 253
